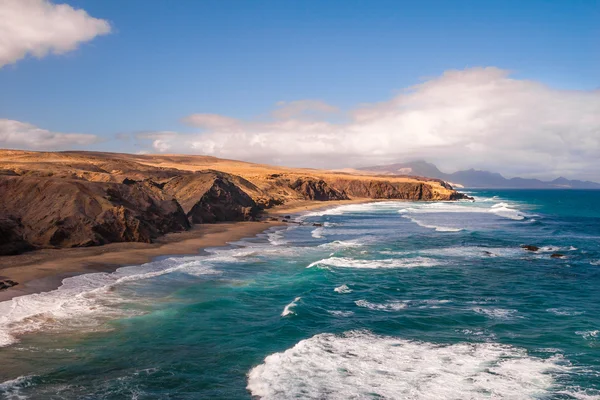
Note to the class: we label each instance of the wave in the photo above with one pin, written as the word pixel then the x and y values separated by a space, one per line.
pixel 343 244
pixel 289 308
pixel 501 209
pixel 507 211
pixel 401 304
pixel 359 364
pixel 276 238
pixel 496 313
pixel 12 389
pixel 391 306
pixel 589 335
pixel 342 289
pixel 85 295
pixel 564 311
pixel 339 313
pixel 461 251
pixel 347 262
pixel 438 228
pixel 353 208
pixel 318 233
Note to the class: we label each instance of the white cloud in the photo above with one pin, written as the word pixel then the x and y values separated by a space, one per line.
pixel 479 117
pixel 38 27
pixel 16 134
pixel 162 141
pixel 303 109
pixel 211 121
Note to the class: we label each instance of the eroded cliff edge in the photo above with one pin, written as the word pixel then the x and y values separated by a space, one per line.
pixel 76 199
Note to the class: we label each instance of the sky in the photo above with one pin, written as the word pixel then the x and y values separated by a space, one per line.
pixel 508 86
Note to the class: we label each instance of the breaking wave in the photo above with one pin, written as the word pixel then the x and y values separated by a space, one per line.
pixel 87 295
pixel 359 365
pixel 289 309
pixel 347 262
pixel 342 289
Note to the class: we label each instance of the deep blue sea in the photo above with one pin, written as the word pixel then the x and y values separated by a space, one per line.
pixel 387 300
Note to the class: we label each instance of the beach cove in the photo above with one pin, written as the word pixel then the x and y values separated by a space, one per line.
pixel 443 282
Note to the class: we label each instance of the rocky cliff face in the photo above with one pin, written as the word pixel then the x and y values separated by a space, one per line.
pixel 54 200
pixel 317 189
pixel 211 197
pixel 52 212
pixel 381 189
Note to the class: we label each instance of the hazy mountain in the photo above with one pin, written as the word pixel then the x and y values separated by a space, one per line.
pixel 476 178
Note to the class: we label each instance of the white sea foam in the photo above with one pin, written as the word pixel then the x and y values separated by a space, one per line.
pixel 343 243
pixel 347 262
pixel 564 311
pixel 502 209
pixel 507 211
pixel 580 394
pixel 477 333
pixel 390 306
pixel 354 208
pixel 289 309
pixel 318 233
pixel 339 313
pixel 588 335
pixel 460 251
pixel 496 313
pixel 361 365
pixel 402 304
pixel 276 238
pixel 342 289
pixel 438 228
pixel 12 389
pixel 82 297
pixel 595 262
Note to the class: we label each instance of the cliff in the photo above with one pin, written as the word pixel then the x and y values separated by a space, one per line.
pixel 75 199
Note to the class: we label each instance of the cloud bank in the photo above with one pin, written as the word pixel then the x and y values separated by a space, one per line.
pixel 39 27
pixel 21 135
pixel 478 117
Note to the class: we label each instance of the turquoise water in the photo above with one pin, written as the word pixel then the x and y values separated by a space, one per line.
pixel 390 300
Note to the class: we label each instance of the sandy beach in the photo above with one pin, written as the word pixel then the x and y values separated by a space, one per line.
pixel 43 270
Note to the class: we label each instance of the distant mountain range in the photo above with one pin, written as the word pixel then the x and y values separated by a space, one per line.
pixel 478 179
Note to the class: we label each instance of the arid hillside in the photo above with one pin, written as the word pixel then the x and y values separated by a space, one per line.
pixel 73 199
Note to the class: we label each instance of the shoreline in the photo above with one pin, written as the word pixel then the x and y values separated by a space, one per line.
pixel 44 270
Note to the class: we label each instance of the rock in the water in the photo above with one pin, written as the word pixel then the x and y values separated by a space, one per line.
pixel 557 255
pixel 529 247
pixel 317 224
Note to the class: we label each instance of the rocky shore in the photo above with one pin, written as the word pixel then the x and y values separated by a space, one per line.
pixel 80 199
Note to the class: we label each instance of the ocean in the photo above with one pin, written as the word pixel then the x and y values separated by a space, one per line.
pixel 385 300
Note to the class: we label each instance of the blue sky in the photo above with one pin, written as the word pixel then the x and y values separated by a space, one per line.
pixel 165 60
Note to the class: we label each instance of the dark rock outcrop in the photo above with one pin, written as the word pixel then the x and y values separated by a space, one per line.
pixel 529 247
pixel 557 255
pixel 7 283
pixel 11 237
pixel 211 197
pixel 313 189
pixel 382 189
pixel 48 212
